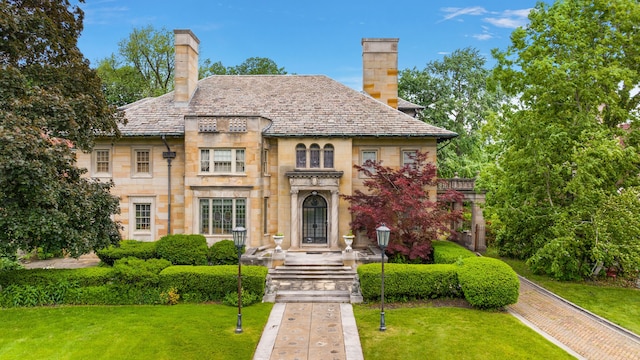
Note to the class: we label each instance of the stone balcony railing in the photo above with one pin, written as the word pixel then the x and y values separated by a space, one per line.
pixel 459 184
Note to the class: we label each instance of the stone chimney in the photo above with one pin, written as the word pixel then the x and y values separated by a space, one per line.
pixel 186 66
pixel 380 70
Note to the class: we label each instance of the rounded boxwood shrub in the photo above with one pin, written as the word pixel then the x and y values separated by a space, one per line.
pixel 183 249
pixel 223 253
pixel 488 283
pixel 127 248
pixel 448 252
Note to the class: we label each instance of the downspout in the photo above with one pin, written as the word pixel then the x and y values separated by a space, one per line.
pixel 169 155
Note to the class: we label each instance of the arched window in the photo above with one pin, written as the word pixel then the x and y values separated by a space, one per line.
pixel 328 156
pixel 301 156
pixel 314 155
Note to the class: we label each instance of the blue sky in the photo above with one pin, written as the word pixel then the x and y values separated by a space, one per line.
pixel 310 37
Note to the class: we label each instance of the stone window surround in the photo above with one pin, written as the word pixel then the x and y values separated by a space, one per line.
pixel 234 161
pixel 94 161
pixel 134 163
pixel 142 235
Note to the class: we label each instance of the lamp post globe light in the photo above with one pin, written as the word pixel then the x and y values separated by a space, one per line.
pixel 239 239
pixel 382 233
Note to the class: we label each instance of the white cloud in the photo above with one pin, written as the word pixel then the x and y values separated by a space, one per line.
pixel 453 12
pixel 103 14
pixel 482 37
pixel 510 19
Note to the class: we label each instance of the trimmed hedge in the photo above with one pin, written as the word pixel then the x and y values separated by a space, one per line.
pixel 206 283
pixel 223 252
pixel 127 248
pixel 448 252
pixel 183 249
pixel 409 281
pixel 42 277
pixel 139 273
pixel 488 283
pixel 485 283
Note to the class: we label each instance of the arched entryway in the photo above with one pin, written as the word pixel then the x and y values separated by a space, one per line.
pixel 314 209
pixel 314 220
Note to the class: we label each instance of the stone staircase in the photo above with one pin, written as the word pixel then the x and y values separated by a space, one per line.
pixel 311 277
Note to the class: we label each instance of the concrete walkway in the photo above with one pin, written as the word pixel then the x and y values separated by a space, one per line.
pixel 310 331
pixel 582 334
pixel 83 261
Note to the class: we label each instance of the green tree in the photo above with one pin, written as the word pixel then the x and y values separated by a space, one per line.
pixel 455 95
pixel 121 84
pixel 51 104
pixel 251 66
pixel 561 151
pixel 144 67
pixel 257 66
pixel 151 53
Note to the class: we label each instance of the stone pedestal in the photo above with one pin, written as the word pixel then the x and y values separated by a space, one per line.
pixel 349 258
pixel 277 259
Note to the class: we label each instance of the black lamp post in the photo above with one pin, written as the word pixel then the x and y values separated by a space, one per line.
pixel 239 238
pixel 382 233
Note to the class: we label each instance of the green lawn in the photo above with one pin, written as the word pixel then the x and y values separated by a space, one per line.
pixel 184 331
pixel 620 305
pixel 449 333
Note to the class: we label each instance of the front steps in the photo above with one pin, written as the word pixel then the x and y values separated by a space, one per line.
pixel 318 278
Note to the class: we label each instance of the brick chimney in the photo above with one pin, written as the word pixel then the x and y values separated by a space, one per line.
pixel 380 70
pixel 186 66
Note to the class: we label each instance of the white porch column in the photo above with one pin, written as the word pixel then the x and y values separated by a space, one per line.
pixel 295 239
pixel 334 220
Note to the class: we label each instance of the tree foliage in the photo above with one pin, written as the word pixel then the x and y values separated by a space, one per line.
pixel 251 66
pixel 400 198
pixel 144 67
pixel 455 95
pixel 51 104
pixel 121 84
pixel 570 144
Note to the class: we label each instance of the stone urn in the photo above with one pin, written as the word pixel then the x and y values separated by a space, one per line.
pixel 348 239
pixel 277 239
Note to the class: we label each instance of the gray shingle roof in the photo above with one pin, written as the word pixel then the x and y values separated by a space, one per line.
pixel 298 105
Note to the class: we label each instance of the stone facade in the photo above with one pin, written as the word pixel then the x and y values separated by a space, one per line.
pixel 270 153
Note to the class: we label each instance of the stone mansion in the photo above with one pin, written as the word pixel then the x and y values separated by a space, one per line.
pixel 271 153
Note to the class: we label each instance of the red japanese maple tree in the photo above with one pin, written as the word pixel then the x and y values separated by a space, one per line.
pixel 404 200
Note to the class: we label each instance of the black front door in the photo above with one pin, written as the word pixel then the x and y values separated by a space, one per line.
pixel 314 220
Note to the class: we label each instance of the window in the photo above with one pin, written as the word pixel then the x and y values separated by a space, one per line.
pixel 143 217
pixel 219 215
pixel 265 215
pixel 301 156
pixel 102 162
pixel 314 152
pixel 222 161
pixel 318 157
pixel 369 155
pixel 265 162
pixel 408 157
pixel 328 156
pixel 142 162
